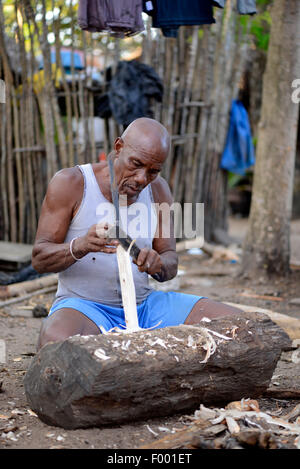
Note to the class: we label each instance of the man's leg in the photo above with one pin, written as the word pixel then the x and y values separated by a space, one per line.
pixel 209 309
pixel 64 323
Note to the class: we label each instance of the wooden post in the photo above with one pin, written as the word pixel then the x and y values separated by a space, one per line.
pixel 2 92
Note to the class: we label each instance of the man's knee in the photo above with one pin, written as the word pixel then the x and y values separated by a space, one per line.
pixel 63 324
pixel 210 309
pixel 49 333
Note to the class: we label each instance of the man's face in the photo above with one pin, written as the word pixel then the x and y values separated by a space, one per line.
pixel 135 169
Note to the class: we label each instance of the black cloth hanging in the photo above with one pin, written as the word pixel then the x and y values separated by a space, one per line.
pixel 130 92
pixel 169 15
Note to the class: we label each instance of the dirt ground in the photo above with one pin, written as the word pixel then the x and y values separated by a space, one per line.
pixel 21 428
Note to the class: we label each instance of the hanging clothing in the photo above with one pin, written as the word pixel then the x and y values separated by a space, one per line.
pixel 169 15
pixel 130 92
pixel 244 7
pixel 120 18
pixel 238 154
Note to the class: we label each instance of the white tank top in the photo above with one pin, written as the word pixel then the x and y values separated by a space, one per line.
pixel 95 277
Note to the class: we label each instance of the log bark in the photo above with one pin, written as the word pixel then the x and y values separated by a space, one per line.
pixel 289 324
pixel 93 381
pixel 285 383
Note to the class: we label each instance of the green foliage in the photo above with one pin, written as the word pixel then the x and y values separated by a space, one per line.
pixel 260 24
pixel 260 28
pixel 234 179
pixel 240 182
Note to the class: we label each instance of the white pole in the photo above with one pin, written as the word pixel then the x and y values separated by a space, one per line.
pixel 2 92
pixel 127 289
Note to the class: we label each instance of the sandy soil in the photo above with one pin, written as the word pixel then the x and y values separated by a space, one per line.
pixel 20 428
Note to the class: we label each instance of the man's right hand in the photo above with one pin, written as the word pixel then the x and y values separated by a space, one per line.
pixel 96 240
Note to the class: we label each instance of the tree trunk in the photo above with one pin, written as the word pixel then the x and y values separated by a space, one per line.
pixel 267 245
pixel 119 377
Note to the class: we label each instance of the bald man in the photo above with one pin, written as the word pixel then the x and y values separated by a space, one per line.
pixel 72 239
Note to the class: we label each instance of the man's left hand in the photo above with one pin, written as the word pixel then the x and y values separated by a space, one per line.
pixel 149 261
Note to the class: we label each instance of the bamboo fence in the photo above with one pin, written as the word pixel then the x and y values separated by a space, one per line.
pixel 201 72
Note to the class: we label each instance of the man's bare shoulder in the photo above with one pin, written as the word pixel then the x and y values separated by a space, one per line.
pixel 67 178
pixel 68 175
pixel 161 190
pixel 66 184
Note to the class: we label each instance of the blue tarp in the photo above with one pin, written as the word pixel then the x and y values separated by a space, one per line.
pixel 66 60
pixel 238 154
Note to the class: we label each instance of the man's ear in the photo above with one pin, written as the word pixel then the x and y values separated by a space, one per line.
pixel 119 144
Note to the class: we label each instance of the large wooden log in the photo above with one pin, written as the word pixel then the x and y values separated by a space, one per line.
pixel 114 378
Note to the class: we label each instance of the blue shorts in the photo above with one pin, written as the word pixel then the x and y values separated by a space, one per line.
pixel 160 309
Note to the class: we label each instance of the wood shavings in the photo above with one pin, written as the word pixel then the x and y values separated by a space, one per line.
pixel 151 431
pixel 165 429
pixel 205 413
pixel 151 352
pixel 17 412
pixel 244 404
pixel 297 442
pixel 175 338
pixel 250 427
pixel 210 345
pixel 233 427
pixel 157 342
pixel 10 435
pixel 115 343
pixel 100 353
pixel 233 331
pixel 294 413
pixel 125 345
pixel 217 420
pixel 217 334
pixel 296 356
pixel 191 342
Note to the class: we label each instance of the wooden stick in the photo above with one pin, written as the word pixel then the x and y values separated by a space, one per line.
pixel 262 297
pixel 29 295
pixel 127 289
pixel 30 285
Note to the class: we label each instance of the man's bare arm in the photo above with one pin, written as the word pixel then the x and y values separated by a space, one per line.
pixel 50 252
pixel 162 259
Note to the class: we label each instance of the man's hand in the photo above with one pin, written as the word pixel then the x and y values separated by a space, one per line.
pixel 96 240
pixel 149 261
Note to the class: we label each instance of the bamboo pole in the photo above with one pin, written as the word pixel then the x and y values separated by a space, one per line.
pixel 76 116
pixel 70 158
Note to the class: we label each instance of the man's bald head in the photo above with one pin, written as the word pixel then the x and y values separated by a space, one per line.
pixel 139 155
pixel 148 136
